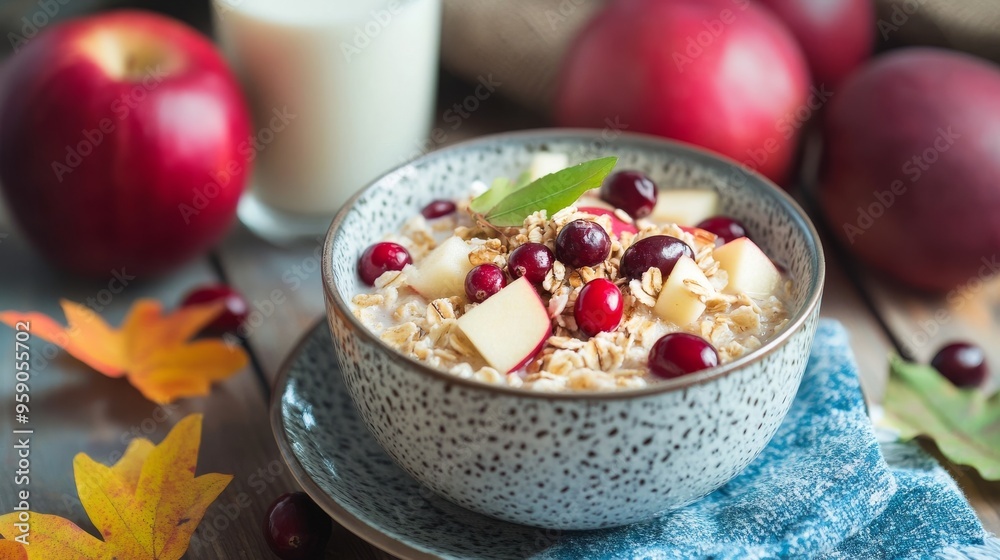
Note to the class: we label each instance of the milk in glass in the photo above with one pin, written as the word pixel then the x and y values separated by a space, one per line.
pixel 341 91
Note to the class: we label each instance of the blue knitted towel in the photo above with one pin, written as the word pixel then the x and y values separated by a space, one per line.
pixel 823 488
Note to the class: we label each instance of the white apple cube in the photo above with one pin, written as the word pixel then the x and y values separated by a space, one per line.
pixel 546 163
pixel 510 327
pixel 677 302
pixel 685 207
pixel 750 270
pixel 442 272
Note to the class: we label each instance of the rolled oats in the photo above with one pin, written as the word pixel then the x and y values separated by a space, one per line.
pixel 486 252
pixel 368 300
pixel 569 360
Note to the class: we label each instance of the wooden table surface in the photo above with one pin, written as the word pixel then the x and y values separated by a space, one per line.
pixel 75 409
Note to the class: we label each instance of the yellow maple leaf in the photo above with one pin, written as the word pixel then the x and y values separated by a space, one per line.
pixel 151 349
pixel 146 506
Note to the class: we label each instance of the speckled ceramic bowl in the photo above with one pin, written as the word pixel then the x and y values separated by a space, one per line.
pixel 572 460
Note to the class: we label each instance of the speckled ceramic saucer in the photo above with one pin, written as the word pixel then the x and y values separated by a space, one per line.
pixel 823 487
pixel 340 465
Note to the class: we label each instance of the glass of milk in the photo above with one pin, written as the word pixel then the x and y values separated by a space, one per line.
pixel 341 91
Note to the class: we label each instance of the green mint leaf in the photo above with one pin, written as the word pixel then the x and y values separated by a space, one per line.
pixel 500 188
pixel 551 193
pixel 964 423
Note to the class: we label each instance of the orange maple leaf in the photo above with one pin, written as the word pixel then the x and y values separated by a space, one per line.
pixel 12 550
pixel 150 348
pixel 146 506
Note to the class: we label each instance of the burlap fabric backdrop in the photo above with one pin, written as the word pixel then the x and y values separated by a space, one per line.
pixel 520 42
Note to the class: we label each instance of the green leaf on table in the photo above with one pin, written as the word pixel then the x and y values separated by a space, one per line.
pixel 551 193
pixel 964 423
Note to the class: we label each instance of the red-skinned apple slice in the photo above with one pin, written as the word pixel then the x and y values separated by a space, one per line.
pixel 617 225
pixel 509 328
pixel 527 359
pixel 590 200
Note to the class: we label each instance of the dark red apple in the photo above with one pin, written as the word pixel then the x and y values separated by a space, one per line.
pixel 120 141
pixel 910 181
pixel 723 74
pixel 836 35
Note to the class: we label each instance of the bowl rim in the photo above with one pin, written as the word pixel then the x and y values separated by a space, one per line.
pixel 586 136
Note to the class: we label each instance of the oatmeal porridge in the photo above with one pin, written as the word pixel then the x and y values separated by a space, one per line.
pixel 625 286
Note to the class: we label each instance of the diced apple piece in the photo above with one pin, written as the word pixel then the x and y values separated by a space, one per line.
pixel 749 269
pixel 685 207
pixel 510 327
pixel 442 272
pixel 545 163
pixel 677 303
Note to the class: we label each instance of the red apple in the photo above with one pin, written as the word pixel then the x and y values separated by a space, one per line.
pixel 836 35
pixel 124 143
pixel 723 74
pixel 911 166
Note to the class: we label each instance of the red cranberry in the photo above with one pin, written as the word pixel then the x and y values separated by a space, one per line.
pixel 582 243
pixel 598 307
pixel 483 281
pixel 380 258
pixel 632 191
pixel 438 208
pixel 678 354
pixel 658 251
pixel 235 307
pixel 296 528
pixel 725 227
pixel 531 260
pixel 962 363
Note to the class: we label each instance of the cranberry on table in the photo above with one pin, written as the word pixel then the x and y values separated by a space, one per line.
pixel 382 257
pixel 582 243
pixel 962 363
pixel 235 307
pixel 678 354
pixel 725 227
pixel 438 209
pixel 296 528
pixel 632 191
pixel 658 251
pixel 531 260
pixel 483 281
pixel 598 307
